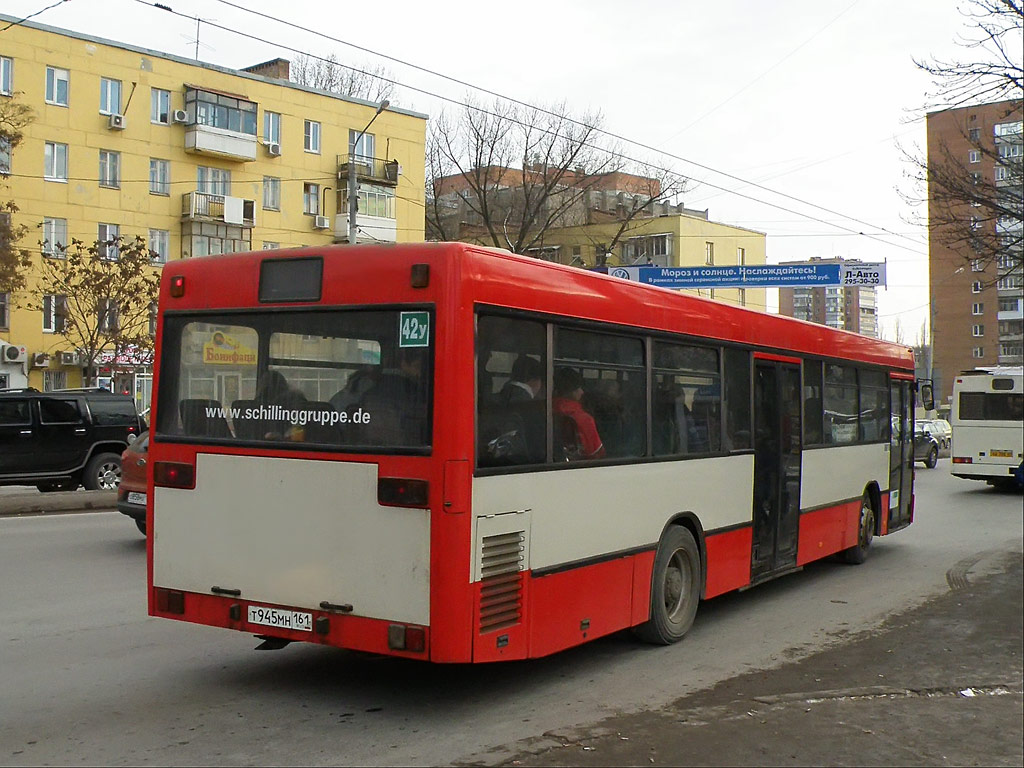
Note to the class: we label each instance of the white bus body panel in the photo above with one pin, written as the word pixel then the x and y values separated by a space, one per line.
pixel 840 473
pixel 573 514
pixel 979 439
pixel 311 531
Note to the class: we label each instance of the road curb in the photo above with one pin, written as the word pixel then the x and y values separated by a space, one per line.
pixel 61 503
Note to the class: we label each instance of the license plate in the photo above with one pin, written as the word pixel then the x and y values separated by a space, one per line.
pixel 134 497
pixel 1001 454
pixel 272 617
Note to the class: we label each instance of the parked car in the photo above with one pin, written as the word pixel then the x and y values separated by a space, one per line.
pixel 926 447
pixel 131 494
pixel 942 431
pixel 59 440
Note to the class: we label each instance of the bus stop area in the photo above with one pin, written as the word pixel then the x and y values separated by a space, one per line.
pixel 938 685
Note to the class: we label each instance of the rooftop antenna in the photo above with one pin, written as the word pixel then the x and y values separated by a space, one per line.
pixel 196 41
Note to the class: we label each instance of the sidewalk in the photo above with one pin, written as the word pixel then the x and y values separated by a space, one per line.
pixel 938 685
pixel 32 502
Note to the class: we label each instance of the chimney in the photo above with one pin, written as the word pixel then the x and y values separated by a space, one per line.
pixel 275 69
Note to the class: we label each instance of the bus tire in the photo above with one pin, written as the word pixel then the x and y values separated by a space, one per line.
pixel 675 588
pixel 858 553
pixel 932 458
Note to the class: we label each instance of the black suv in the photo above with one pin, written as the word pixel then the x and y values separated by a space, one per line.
pixel 59 440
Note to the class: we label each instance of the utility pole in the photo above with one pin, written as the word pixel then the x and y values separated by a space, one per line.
pixel 353 185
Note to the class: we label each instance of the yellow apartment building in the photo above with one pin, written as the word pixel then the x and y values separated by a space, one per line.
pixel 668 239
pixel 196 158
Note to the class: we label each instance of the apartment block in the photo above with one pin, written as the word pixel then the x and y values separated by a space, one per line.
pixel 196 158
pixel 849 309
pixel 977 306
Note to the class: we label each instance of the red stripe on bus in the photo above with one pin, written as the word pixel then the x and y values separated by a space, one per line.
pixel 827 531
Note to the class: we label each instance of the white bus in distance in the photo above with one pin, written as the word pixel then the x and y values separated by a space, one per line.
pixel 988 425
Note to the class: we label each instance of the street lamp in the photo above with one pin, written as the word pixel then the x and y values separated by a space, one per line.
pixel 353 186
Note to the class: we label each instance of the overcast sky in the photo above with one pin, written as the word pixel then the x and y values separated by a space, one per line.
pixel 813 99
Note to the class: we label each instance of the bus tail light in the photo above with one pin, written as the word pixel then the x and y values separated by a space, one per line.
pixel 401 492
pixel 170 601
pixel 403 638
pixel 177 286
pixel 169 474
pixel 962 460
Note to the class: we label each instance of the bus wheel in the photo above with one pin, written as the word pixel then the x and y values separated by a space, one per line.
pixel 675 588
pixel 857 554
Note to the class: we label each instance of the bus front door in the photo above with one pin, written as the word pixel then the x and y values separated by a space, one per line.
pixel 777 449
pixel 901 454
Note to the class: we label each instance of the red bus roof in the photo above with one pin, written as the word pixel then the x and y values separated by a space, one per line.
pixel 375 274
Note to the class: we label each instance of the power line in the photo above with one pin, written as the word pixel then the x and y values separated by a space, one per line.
pixel 41 10
pixel 496 94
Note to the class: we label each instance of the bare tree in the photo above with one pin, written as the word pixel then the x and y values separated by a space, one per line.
pixel 507 175
pixel 328 74
pixel 102 305
pixel 977 215
pixel 14 259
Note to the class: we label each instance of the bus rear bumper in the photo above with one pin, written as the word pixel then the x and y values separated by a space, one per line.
pixel 327 627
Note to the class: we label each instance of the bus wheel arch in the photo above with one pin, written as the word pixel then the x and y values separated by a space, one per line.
pixel 676 585
pixel 867 527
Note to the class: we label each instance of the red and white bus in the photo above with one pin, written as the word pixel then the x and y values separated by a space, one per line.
pixel 385 449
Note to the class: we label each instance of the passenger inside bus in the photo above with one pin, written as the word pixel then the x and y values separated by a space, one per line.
pixel 576 435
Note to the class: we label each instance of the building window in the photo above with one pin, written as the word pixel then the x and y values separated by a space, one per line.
pixel 57 86
pixel 110 169
pixel 1010 281
pixel 1010 150
pixel 1002 173
pixel 152 318
pixel 978 352
pixel 107 320
pixel 1008 305
pixel 269 245
pixel 159 245
pixel 363 152
pixel 53 313
pixel 55 161
pixel 977 330
pixel 271 193
pixel 272 127
pixel 978 308
pixel 55 236
pixel 1008 129
pixel 159 106
pixel 213 181
pixel 311 136
pixel 974 134
pixel 311 199
pixel 108 245
pixel 973 156
pixel 110 96
pixel 54 381
pixel 5 310
pixel 159 177
pixel 218 111
pixel 5 155
pixel 976 287
pixel 709 253
pixel 651 249
pixel 976 177
pixel 6 75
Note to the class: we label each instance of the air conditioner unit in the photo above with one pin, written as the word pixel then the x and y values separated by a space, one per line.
pixel 40 360
pixel 179 116
pixel 117 122
pixel 321 222
pixel 273 149
pixel 68 358
pixel 12 353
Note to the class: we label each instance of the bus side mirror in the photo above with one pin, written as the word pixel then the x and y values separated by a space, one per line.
pixel 924 386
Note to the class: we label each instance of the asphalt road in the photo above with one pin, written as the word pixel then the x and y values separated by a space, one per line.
pixel 88 678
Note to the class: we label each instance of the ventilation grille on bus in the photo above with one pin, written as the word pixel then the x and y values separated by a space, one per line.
pixel 501 598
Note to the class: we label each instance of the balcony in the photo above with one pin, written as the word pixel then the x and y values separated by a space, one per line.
pixel 369 229
pixel 372 170
pixel 220 142
pixel 223 209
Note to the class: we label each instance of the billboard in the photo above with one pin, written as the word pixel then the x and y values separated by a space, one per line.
pixel 847 274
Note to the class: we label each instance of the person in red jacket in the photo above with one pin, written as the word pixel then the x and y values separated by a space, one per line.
pixel 566 403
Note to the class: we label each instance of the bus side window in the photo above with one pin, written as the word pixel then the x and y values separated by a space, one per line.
pixel 687 400
pixel 511 375
pixel 737 399
pixel 813 412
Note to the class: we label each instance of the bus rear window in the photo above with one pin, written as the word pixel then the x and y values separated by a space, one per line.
pixel 991 406
pixel 349 380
